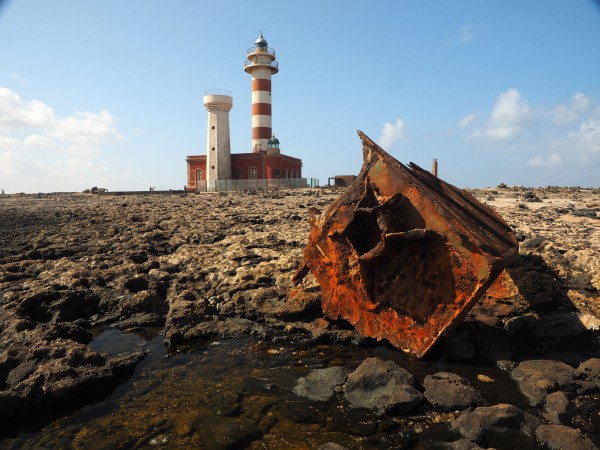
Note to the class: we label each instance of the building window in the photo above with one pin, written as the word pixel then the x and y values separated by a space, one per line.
pixel 252 173
pixel 276 173
pixel 239 173
pixel 199 176
pixel 287 173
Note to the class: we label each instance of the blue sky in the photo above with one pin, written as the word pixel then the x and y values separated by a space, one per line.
pixel 109 93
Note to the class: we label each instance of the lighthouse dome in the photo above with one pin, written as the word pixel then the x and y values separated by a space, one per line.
pixel 261 42
pixel 273 141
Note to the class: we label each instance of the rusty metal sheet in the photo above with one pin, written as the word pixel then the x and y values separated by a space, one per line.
pixel 402 255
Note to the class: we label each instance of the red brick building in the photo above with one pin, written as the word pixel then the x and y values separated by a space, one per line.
pixel 263 165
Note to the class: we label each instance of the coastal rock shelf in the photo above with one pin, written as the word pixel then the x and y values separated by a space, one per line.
pixel 211 274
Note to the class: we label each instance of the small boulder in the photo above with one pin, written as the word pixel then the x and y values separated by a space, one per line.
pixel 558 409
pixel 538 378
pixel 449 392
pixel 485 425
pixel 382 386
pixel 558 437
pixel 320 384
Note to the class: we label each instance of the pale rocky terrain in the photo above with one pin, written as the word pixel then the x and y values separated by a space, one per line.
pixel 219 266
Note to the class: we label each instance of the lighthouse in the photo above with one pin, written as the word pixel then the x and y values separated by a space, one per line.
pixel 266 167
pixel 218 147
pixel 261 65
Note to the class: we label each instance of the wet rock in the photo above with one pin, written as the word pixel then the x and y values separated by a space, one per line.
pixel 538 378
pixel 228 433
pixel 590 371
pixel 557 408
pixel 140 320
pixel 320 384
pixel 588 413
pixel 497 426
pixel 559 437
pixel 331 446
pixel 449 392
pixel 382 386
pixel 50 376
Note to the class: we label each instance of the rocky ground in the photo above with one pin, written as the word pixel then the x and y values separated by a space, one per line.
pixel 219 266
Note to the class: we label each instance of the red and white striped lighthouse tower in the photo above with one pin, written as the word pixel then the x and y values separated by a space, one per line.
pixel 261 65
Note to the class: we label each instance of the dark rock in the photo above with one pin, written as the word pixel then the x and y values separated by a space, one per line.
pixel 449 392
pixel 560 437
pixel 585 212
pixel 519 324
pixel 489 425
pixel 538 378
pixel 320 384
pixel 557 326
pixel 382 386
pixel 457 346
pixel 534 242
pixel 590 371
pixel 588 408
pixel 558 409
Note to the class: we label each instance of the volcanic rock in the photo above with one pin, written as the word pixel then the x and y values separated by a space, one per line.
pixel 382 386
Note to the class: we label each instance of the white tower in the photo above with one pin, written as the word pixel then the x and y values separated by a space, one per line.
pixel 218 151
pixel 261 65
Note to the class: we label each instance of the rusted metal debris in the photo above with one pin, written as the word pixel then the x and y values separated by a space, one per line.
pixel 403 255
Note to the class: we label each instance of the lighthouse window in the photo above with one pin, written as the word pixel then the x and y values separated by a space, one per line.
pixel 213 127
pixel 276 173
pixel 213 149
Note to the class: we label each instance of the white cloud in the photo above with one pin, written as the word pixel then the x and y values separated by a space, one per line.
pixel 587 136
pixel 16 77
pixel 581 102
pixel 9 161
pixel 392 133
pixel 15 113
pixel 508 117
pixel 468 120
pixel 35 140
pixel 552 159
pixel 8 142
pixel 45 152
pixel 563 115
pixel 87 126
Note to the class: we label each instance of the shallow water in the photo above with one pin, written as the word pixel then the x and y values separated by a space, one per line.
pixel 238 393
